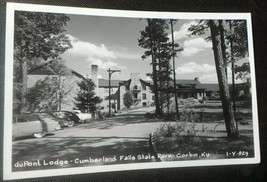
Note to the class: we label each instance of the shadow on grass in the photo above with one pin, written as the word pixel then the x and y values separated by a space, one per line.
pixel 121 120
pixel 218 116
pixel 217 147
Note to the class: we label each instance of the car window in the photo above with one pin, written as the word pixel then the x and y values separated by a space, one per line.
pixel 43 116
pixel 21 120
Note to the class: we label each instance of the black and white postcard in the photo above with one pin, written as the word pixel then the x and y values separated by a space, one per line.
pixel 98 90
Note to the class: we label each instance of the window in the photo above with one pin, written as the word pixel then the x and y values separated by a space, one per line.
pixel 143 96
pixel 153 97
pixel 21 120
pixel 135 87
pixel 54 78
pixel 143 87
pixel 135 95
pixel 107 90
pixel 144 104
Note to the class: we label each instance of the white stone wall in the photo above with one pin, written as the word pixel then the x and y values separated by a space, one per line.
pixel 103 93
pixel 94 77
pixel 68 84
pixel 122 92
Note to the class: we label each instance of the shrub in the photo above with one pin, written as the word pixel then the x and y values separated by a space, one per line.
pixel 184 127
pixel 150 115
pixel 187 115
pixel 166 130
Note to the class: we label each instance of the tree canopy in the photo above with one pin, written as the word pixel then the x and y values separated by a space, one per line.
pixel 39 35
pixel 128 99
pixel 230 44
pixel 86 99
pixel 155 40
pixel 38 38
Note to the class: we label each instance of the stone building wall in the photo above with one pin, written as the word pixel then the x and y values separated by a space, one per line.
pixel 103 93
pixel 67 83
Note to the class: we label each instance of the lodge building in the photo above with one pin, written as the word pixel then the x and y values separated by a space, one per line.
pixel 139 88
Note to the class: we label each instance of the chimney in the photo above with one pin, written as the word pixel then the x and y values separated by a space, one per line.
pixel 135 77
pixel 94 77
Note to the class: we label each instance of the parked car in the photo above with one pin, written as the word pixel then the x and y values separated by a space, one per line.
pixel 67 115
pixel 83 116
pixel 28 125
pixel 49 116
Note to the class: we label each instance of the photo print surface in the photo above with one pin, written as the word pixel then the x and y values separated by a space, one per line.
pixel 94 90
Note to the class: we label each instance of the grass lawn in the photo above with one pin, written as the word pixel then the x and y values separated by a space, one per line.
pixel 209 139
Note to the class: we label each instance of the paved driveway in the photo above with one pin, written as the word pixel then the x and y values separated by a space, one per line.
pixel 120 136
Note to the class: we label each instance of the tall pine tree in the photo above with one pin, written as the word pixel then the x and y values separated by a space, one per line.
pixel 156 42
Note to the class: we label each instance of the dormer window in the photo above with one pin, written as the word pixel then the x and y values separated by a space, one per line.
pixel 54 78
pixel 144 87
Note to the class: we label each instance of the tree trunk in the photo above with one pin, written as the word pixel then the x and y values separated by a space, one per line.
pixel 223 45
pixel 168 97
pixel 24 86
pixel 155 83
pixel 160 81
pixel 154 71
pixel 174 74
pixel 230 123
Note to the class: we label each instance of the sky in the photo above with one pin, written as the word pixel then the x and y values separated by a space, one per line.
pixel 112 42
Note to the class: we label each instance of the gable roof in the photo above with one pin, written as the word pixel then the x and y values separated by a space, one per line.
pixel 48 70
pixel 180 83
pixel 105 83
pixel 40 71
pixel 184 83
pixel 211 87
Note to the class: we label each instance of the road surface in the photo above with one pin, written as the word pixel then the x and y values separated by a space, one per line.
pixel 123 136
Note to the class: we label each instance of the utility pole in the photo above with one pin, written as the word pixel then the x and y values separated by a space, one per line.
pixel 109 79
pixel 174 75
pixel 59 93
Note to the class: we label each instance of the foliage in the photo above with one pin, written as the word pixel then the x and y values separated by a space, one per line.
pixel 199 29
pixel 236 31
pixel 187 115
pixel 16 98
pixel 38 37
pixel 155 40
pixel 217 29
pixel 166 130
pixel 43 95
pixel 184 127
pixel 243 71
pixel 128 99
pixel 86 99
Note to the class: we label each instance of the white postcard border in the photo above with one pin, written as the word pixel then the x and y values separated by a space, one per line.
pixel 12 7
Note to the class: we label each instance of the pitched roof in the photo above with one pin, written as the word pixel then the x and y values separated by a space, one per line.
pixel 105 83
pixel 187 83
pixel 113 96
pixel 46 69
pixel 148 83
pixel 211 87
pixel 40 71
